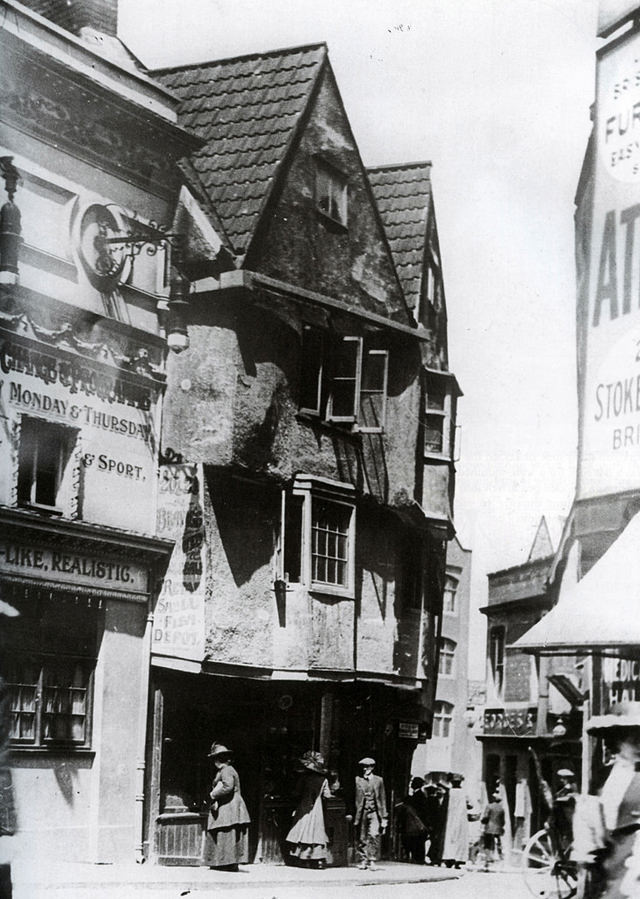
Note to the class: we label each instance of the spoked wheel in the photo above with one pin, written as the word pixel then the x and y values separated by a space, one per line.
pixel 548 873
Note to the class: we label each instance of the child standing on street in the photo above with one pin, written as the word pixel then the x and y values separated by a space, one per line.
pixel 493 820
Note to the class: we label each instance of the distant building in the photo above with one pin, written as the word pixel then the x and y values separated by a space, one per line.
pixel 449 748
pixel 532 714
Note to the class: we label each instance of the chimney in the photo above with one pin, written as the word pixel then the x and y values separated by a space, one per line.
pixel 72 15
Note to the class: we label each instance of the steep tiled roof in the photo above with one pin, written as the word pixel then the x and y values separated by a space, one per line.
pixel 402 193
pixel 246 110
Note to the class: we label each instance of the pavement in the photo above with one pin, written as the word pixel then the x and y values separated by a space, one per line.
pixel 62 879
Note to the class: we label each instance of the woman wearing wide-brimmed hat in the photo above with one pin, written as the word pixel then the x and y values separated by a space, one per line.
pixel 226 843
pixel 611 837
pixel 308 838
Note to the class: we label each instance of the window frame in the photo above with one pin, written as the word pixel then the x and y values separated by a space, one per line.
pixel 450 579
pixel 356 380
pixel 337 191
pixel 323 357
pixel 374 429
pixel 311 490
pixel 439 386
pixel 65 447
pixel 40 661
pixel 442 713
pixel 447 654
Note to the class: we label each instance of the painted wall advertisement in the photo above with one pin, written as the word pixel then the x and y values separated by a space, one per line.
pixel 621 680
pixel 178 628
pixel 109 418
pixel 610 322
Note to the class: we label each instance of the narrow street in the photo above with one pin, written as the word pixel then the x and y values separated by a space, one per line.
pixel 478 885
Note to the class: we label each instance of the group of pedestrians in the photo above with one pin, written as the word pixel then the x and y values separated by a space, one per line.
pixel 433 821
pixel 226 841
pixel 432 818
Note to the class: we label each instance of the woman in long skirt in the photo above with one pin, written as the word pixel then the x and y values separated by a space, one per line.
pixel 226 841
pixel 308 838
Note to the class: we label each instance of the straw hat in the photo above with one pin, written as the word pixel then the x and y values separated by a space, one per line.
pixel 367 760
pixel 565 772
pixel 622 715
pixel 313 761
pixel 219 749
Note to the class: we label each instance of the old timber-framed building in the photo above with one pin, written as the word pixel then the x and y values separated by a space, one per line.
pixel 310 490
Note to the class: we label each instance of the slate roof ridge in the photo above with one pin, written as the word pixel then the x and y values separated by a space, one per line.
pixel 242 57
pixel 424 164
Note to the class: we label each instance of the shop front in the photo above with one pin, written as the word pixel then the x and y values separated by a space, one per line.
pixel 81 595
pixel 269 724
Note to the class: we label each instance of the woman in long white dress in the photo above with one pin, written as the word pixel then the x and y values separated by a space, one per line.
pixel 307 837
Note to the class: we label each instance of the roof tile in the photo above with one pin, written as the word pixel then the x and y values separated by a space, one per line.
pixel 403 193
pixel 245 110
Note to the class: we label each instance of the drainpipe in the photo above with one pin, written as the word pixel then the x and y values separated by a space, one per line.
pixel 143 712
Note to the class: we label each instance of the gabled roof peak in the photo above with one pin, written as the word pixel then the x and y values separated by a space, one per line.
pixel 247 111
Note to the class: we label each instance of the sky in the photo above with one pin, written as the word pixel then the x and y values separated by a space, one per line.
pixel 496 93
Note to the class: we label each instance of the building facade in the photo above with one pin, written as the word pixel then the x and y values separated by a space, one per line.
pixel 532 722
pixel 309 436
pixel 88 152
pixel 451 745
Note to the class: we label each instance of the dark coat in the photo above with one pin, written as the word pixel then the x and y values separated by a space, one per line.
pixel 493 819
pixel 226 792
pixel 379 797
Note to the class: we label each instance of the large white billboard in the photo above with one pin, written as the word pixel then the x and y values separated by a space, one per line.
pixel 610 320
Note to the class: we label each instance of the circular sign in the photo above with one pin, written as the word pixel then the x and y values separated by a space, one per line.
pixel 103 260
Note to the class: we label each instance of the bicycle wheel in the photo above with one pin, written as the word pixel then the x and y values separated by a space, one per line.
pixel 548 873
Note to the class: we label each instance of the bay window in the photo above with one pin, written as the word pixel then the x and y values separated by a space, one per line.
pixel 439 415
pixel 317 542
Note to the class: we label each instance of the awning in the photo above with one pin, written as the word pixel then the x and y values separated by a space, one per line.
pixel 600 613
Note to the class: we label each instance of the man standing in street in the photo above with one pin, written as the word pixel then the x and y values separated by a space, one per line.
pixel 370 820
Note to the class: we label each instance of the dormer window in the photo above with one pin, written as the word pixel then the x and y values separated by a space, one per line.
pixel 331 193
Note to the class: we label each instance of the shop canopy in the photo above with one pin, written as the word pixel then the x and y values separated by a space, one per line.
pixel 599 614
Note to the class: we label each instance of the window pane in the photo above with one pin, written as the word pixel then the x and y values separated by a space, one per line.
pixel 346 359
pixel 435 401
pixel 48 463
pixel 343 399
pixel 330 545
pixel 64 698
pixel 434 434
pixel 373 374
pixel 449 599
